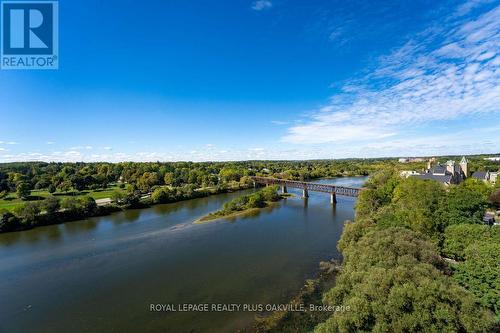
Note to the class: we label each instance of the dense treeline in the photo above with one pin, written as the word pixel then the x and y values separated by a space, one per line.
pixel 65 177
pixel 394 277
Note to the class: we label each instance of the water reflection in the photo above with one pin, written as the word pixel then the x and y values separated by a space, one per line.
pixel 54 235
pixel 79 226
pixel 130 215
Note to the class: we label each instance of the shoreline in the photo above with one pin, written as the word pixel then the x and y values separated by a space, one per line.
pixel 269 204
pixel 113 208
pixel 209 219
pixel 61 217
pixel 309 296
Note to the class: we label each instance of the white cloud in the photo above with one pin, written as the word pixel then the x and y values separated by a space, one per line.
pixel 82 147
pixel 50 142
pixel 469 6
pixel 421 83
pixel 107 148
pixel 261 5
pixel 279 122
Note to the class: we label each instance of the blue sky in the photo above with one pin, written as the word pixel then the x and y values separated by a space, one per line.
pixel 268 79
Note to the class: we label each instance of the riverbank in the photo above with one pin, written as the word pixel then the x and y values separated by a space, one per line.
pixel 53 210
pixel 310 298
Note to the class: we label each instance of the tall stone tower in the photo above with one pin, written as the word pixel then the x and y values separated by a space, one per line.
pixel 464 165
pixel 450 167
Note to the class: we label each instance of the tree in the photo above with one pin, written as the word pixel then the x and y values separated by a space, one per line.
pixel 28 213
pixel 148 180
pixel 52 188
pixel 495 197
pixel 464 204
pixel 51 204
pixel 458 237
pixel 162 195
pixel 230 174
pixel 379 192
pixel 168 178
pixel 78 182
pixel 65 186
pixel 117 196
pixel 88 206
pixel 391 282
pixel 414 205
pixel 23 190
pixel 480 273
pixel 8 221
pixel 69 204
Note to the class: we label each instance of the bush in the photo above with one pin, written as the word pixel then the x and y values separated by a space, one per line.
pixel 51 204
pixel 28 213
pixel 23 190
pixel 162 195
pixel 87 206
pixel 8 221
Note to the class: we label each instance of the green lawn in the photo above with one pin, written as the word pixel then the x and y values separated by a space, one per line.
pixel 11 200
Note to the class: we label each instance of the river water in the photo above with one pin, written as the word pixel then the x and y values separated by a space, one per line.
pixel 102 274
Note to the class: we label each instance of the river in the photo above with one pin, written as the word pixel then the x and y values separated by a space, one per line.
pixel 101 274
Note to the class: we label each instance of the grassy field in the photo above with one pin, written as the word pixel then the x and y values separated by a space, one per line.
pixel 11 200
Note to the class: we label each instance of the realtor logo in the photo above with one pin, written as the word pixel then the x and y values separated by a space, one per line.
pixel 29 35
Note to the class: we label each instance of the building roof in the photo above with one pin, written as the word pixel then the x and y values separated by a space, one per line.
pixel 464 160
pixel 446 179
pixel 438 169
pixel 479 175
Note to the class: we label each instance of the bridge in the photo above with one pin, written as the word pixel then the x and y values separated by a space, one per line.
pixel 333 190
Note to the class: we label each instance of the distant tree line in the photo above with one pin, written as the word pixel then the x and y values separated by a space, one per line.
pixel 23 177
pixel 65 177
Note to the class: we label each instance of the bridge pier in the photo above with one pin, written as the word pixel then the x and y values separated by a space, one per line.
pixel 333 190
pixel 333 198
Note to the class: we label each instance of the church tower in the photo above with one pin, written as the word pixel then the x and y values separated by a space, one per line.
pixel 464 166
